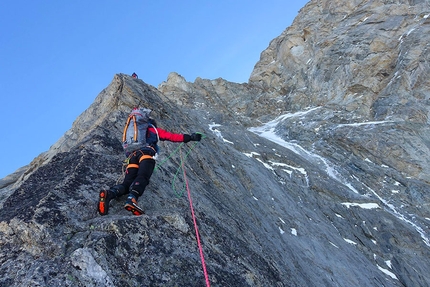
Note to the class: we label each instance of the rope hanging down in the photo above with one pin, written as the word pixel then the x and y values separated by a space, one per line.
pixel 194 221
pixel 179 194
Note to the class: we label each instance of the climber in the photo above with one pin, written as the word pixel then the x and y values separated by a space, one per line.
pixel 140 145
pixel 134 75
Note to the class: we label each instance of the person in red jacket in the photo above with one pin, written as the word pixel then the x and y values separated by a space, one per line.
pixel 140 168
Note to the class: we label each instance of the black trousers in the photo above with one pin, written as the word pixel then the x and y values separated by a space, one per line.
pixel 139 171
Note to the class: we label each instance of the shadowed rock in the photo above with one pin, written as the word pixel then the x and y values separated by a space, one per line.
pixel 314 173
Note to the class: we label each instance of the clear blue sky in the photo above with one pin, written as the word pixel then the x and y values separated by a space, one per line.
pixel 57 56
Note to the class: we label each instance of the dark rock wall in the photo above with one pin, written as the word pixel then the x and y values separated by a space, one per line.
pixel 315 173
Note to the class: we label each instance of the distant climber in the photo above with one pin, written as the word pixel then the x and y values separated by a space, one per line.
pixel 134 75
pixel 140 138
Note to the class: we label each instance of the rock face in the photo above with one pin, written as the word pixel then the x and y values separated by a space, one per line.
pixel 314 173
pixel 360 61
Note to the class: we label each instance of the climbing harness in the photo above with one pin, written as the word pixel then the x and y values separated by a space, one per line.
pixel 126 164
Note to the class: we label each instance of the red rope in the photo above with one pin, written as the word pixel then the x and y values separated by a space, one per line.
pixel 195 225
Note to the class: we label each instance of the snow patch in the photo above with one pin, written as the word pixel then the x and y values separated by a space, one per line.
pixel 364 123
pixel 350 241
pixel 333 244
pixel 251 154
pixel 388 262
pixel 212 128
pixel 387 272
pixel 361 205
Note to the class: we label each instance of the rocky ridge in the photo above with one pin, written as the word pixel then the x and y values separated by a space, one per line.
pixel 314 173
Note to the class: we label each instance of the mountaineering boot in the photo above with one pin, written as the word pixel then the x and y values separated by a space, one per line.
pixel 105 196
pixel 131 205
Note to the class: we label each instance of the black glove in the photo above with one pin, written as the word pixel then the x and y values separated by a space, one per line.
pixel 192 137
pixel 196 137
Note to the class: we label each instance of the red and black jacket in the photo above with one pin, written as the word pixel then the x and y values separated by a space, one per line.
pixel 154 134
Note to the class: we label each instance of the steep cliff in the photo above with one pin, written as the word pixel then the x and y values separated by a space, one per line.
pixel 314 173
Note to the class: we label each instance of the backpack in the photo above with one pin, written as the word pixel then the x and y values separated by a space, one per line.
pixel 134 135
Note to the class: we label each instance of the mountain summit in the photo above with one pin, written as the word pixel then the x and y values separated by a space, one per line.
pixel 314 173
